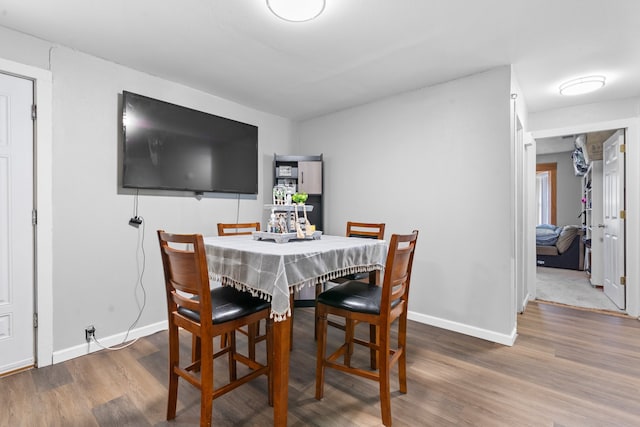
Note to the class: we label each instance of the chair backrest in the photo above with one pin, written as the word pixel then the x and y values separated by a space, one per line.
pixel 364 229
pixel 237 229
pixel 397 274
pixel 185 273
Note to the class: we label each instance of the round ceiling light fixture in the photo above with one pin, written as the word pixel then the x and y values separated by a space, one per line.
pixel 582 85
pixel 296 10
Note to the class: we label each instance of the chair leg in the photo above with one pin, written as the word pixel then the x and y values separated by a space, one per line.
pixel 373 338
pixel 374 279
pixel 322 343
pixel 269 327
pixel 349 332
pixel 233 366
pixel 174 359
pixel 252 333
pixel 384 372
pixel 319 289
pixel 195 349
pixel 402 360
pixel 206 383
pixel 224 341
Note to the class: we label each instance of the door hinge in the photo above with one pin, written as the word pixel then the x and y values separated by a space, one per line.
pixel 34 112
pixel 623 214
pixel 34 217
pixel 623 148
pixel 35 320
pixel 623 280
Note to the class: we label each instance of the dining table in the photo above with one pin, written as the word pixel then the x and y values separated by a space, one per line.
pixel 274 271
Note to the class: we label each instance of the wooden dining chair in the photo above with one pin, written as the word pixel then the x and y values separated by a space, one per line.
pixel 237 229
pixel 381 306
pixel 206 313
pixel 364 230
pixel 252 331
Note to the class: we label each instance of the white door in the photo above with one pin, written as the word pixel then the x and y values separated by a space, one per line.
pixel 16 229
pixel 613 195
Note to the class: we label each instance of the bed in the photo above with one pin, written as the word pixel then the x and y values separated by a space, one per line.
pixel 560 246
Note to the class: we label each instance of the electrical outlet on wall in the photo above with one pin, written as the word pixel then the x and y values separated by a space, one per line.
pixel 135 221
pixel 89 333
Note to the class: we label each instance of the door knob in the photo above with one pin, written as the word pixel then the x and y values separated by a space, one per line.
pixel 601 226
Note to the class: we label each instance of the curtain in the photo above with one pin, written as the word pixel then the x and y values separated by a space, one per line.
pixel 543 197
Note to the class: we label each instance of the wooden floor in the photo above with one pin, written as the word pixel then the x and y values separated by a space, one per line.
pixel 567 368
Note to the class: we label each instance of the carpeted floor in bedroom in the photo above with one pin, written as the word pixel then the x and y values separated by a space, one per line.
pixel 571 287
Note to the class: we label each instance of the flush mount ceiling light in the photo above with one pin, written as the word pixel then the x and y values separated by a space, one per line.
pixel 582 85
pixel 296 10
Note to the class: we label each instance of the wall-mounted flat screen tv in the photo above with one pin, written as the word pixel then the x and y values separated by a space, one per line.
pixel 169 147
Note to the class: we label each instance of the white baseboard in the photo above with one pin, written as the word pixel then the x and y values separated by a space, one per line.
pixel 113 340
pixel 465 329
pixel 116 340
pixel 16 366
pixel 525 302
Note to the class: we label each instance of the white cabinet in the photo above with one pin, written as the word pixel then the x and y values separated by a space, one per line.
pixel 593 222
pixel 310 177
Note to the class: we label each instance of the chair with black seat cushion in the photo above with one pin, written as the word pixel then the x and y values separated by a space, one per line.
pixel 206 313
pixel 363 230
pixel 252 331
pixel 381 306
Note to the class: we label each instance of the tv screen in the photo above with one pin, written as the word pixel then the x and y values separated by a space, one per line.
pixel 169 147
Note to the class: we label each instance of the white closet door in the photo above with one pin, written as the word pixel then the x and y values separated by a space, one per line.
pixel 613 195
pixel 16 229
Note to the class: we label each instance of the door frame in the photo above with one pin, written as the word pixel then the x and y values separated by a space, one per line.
pixel 43 202
pixel 632 177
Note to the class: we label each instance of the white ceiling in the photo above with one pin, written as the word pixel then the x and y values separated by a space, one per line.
pixel 556 144
pixel 356 52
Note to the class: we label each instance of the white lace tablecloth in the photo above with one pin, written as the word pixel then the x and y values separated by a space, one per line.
pixel 273 270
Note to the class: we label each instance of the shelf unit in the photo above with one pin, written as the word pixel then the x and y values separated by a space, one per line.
pixel 592 221
pixel 305 173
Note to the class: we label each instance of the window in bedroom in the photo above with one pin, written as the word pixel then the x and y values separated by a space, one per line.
pixel 546 192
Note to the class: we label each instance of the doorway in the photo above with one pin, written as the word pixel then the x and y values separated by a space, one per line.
pixel 579 205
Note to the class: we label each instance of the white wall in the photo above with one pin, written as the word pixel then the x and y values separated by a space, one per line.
pixel 568 188
pixel 94 248
pixel 438 160
pixel 620 114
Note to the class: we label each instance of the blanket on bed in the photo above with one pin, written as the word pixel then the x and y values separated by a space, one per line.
pixel 551 237
pixel 547 234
